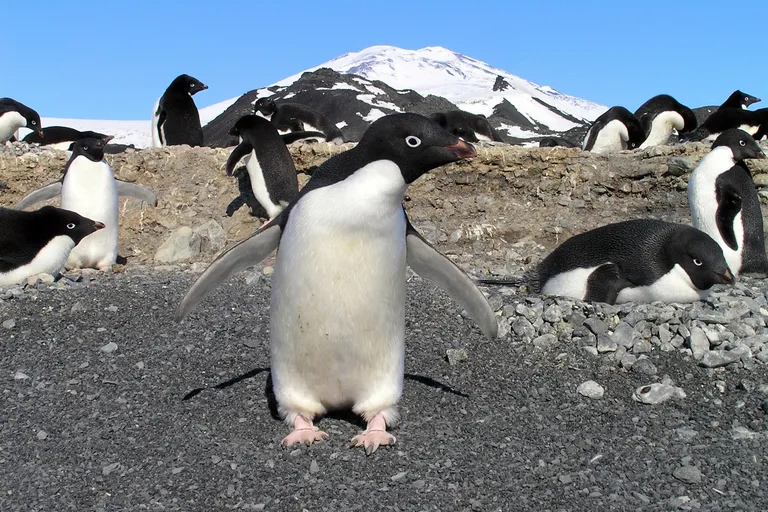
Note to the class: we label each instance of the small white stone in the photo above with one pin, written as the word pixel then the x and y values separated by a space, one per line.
pixel 591 389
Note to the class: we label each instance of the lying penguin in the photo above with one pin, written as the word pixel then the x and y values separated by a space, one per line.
pixel 725 205
pixel 89 188
pixel 39 242
pixel 633 261
pixel 337 325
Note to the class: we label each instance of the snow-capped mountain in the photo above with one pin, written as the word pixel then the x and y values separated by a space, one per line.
pixel 465 82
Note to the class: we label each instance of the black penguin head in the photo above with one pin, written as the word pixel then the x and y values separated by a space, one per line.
pixel 265 105
pixel 741 99
pixel 689 119
pixel 188 84
pixel 637 133
pixel 701 258
pixel 30 115
pixel 91 148
pixel 65 222
pixel 414 142
pixel 741 143
pixel 247 123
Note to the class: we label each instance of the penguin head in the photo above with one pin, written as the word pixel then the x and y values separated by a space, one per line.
pixel 30 116
pixel 249 122
pixel 69 223
pixel 637 132
pixel 745 99
pixel 701 258
pixel 265 105
pixel 740 143
pixel 188 84
pixel 689 119
pixel 415 143
pixel 90 148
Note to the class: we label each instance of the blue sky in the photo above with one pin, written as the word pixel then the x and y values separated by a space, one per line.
pixel 113 60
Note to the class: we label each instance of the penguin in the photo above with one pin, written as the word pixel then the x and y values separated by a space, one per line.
pixel 39 242
pixel 725 205
pixel 89 188
pixel 338 289
pixel 615 130
pixel 553 142
pixel 270 167
pixel 15 115
pixel 295 117
pixel 61 137
pixel 468 126
pixel 175 118
pixel 754 122
pixel 662 114
pixel 739 99
pixel 642 260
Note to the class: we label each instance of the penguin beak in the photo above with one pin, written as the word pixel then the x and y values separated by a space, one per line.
pixel 39 131
pixel 760 154
pixel 728 277
pixel 462 149
pixel 99 225
pixel 107 139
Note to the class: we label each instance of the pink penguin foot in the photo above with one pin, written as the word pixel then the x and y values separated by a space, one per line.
pixel 303 433
pixel 375 435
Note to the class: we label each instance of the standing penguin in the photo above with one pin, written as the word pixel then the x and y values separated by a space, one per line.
pixel 662 114
pixel 724 202
pixel 39 242
pixel 15 115
pixel 615 130
pixel 295 117
pixel 175 118
pixel 89 188
pixel 337 315
pixel 269 164
pixel 641 260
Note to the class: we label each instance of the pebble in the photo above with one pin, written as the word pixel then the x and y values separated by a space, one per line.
pixel 20 376
pixel 109 347
pixel 605 344
pixel 645 366
pixel 657 393
pixel 455 356
pixel 545 341
pixel 699 343
pixel 596 325
pixel 591 389
pixel 687 474
pixel 719 358
pixel 9 324
pixel 42 435
pixel 314 467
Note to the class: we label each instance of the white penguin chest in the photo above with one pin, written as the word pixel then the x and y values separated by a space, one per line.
pixel 661 128
pixel 338 290
pixel 702 197
pixel 9 123
pixel 49 260
pixel 611 138
pixel 259 186
pixel 89 188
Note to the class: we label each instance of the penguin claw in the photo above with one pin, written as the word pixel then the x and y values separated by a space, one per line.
pixel 305 436
pixel 370 440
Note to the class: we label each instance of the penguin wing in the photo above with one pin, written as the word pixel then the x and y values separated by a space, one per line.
pixel 42 194
pixel 728 206
pixel 605 283
pixel 136 191
pixel 247 253
pixel 241 151
pixel 426 261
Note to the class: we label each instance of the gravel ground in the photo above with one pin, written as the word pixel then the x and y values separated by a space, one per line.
pixel 94 375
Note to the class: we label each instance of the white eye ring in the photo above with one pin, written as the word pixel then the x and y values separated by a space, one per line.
pixel 413 141
pixel 746 99
pixel 742 143
pixel 71 226
pixel 697 262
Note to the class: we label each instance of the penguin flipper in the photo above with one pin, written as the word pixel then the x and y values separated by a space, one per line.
pixel 241 151
pixel 605 283
pixel 247 253
pixel 728 206
pixel 42 194
pixel 426 261
pixel 291 137
pixel 136 191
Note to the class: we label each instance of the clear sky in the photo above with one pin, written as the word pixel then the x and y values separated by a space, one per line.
pixel 102 60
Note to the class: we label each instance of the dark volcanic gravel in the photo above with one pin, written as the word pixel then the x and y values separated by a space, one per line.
pixel 85 425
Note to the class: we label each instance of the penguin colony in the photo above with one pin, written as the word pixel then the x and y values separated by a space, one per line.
pixel 337 326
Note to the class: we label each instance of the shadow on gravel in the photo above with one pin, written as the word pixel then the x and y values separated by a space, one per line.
pixel 344 415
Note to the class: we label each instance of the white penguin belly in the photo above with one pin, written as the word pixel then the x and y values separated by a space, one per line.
pixel 89 189
pixel 674 286
pixel 613 137
pixel 49 260
pixel 571 283
pixel 259 186
pixel 9 123
pixel 337 317
pixel 703 201
pixel 661 128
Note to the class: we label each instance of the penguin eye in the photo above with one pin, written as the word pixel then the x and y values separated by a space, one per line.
pixel 697 262
pixel 85 148
pixel 413 141
pixel 746 99
pixel 71 225
pixel 742 143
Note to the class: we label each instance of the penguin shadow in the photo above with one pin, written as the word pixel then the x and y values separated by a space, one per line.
pixel 338 414
pixel 246 196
